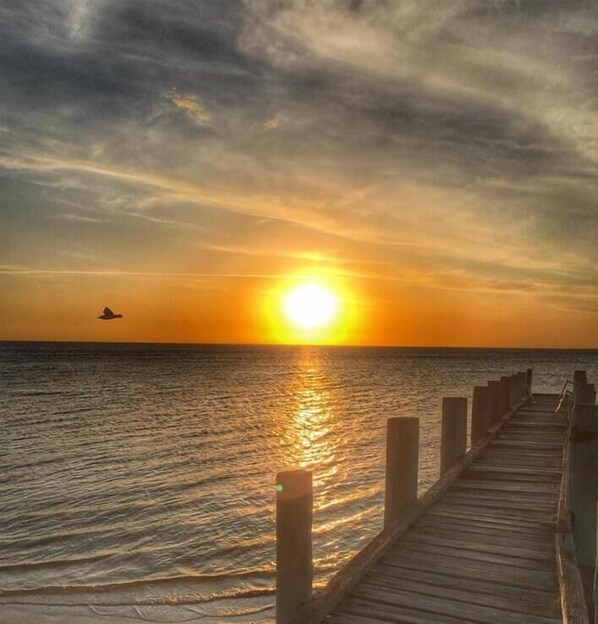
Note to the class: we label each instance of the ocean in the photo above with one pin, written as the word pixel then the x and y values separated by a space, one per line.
pixel 137 482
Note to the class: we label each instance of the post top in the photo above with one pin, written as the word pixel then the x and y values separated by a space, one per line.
pixel 293 483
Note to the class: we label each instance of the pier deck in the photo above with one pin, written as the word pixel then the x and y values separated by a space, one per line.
pixel 485 551
pixel 504 536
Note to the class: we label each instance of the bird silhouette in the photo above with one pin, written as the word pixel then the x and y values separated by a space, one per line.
pixel 108 315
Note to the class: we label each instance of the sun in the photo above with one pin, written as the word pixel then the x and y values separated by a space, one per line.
pixel 310 306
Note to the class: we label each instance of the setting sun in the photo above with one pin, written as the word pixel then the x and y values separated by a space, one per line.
pixel 310 306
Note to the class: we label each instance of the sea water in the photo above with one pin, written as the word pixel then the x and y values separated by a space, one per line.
pixel 137 482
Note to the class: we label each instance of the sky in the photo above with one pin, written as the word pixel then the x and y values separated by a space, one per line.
pixel 434 162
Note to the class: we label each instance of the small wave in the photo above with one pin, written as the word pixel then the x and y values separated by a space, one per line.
pixel 32 565
pixel 138 583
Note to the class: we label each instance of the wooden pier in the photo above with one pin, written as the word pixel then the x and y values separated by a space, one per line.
pixel 504 536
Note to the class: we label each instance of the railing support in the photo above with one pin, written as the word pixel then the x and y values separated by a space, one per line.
pixel 294 567
pixel 402 456
pixel 480 413
pixel 583 481
pixel 454 431
pixel 505 395
pixel 529 374
pixel 494 401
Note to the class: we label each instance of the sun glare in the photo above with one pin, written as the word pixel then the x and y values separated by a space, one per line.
pixel 310 306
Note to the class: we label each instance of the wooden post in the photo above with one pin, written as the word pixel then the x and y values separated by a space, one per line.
pixel 514 390
pixel 505 395
pixel 529 373
pixel 585 395
pixel 402 456
pixel 522 385
pixel 454 431
pixel 494 401
pixel 294 568
pixel 480 413
pixel 583 481
pixel 580 378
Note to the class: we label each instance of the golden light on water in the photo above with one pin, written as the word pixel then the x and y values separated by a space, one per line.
pixel 309 431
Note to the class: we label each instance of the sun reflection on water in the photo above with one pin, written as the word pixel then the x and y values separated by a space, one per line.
pixel 310 431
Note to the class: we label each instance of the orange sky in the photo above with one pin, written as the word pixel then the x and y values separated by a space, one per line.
pixel 437 169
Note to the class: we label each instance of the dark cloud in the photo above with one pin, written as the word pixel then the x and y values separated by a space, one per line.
pixel 385 121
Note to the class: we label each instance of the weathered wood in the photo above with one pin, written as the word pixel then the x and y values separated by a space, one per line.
pixel 573 606
pixel 390 604
pixel 475 547
pixel 543 602
pixel 580 377
pixel 585 394
pixel 490 533
pixel 546 490
pixel 494 401
pixel 583 481
pixel 450 565
pixel 453 432
pixel 529 373
pixel 503 516
pixel 489 471
pixel 514 390
pixel 480 413
pixel 505 394
pixel 402 453
pixel 469 592
pixel 294 568
pixel 346 579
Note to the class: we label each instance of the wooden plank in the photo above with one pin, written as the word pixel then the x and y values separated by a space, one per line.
pixel 390 604
pixel 544 602
pixel 540 543
pixel 408 616
pixel 544 537
pixel 530 446
pixel 555 440
pixel 547 490
pixel 432 546
pixel 475 544
pixel 506 516
pixel 473 569
pixel 481 470
pixel 517 603
pixel 504 503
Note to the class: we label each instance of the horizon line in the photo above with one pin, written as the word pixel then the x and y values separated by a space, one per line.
pixel 294 345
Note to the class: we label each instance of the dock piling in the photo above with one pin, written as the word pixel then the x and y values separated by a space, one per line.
pixel 294 567
pixel 494 401
pixel 583 481
pixel 505 395
pixel 454 431
pixel 402 456
pixel 585 394
pixel 480 413
pixel 529 374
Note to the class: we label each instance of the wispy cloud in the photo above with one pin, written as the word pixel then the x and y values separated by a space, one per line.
pixel 191 105
pixel 455 143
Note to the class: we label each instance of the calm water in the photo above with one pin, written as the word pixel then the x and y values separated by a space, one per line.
pixel 137 481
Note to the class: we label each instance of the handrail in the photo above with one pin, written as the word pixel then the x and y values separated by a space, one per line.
pixel 563 395
pixel 573 604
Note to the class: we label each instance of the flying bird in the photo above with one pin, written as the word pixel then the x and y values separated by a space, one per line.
pixel 108 315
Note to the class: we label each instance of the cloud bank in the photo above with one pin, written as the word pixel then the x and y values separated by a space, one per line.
pixel 453 144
